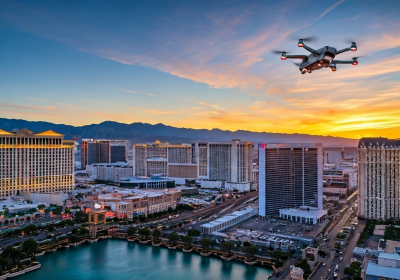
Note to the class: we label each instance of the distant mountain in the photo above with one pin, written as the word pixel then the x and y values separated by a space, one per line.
pixel 143 132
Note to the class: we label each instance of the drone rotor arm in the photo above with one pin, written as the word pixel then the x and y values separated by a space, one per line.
pixel 342 61
pixel 311 50
pixel 343 50
pixel 299 56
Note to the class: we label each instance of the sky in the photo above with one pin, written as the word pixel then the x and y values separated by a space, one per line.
pixel 201 64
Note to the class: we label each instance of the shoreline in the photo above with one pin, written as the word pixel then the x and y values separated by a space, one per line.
pixel 193 250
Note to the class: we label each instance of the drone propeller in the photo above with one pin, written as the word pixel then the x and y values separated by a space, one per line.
pixel 357 57
pixel 278 52
pixel 309 39
pixel 349 41
pixel 304 39
pixel 296 63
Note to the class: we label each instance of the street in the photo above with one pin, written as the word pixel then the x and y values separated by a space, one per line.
pixel 327 271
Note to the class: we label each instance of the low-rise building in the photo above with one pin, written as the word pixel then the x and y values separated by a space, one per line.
pixel 339 179
pixel 155 182
pixel 109 172
pixel 132 203
pixel 304 214
pixel 228 220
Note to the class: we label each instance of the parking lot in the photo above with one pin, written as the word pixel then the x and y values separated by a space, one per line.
pixel 258 229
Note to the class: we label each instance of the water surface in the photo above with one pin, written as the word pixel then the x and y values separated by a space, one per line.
pixel 110 259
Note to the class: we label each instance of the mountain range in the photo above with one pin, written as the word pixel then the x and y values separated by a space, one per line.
pixel 144 132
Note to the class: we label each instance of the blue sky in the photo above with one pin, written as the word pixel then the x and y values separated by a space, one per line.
pixel 201 64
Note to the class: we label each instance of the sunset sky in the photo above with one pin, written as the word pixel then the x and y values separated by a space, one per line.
pixel 201 64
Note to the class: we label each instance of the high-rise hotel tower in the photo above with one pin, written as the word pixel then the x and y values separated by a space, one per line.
pixel 290 176
pixel 379 178
pixel 35 162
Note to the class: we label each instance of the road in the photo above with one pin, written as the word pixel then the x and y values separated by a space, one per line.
pixel 348 253
pixel 211 209
pixel 188 215
pixel 41 236
pixel 327 271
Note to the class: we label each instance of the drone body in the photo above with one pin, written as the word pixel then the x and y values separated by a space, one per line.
pixel 321 58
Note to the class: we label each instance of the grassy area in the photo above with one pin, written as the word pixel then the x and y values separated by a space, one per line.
pixel 392 233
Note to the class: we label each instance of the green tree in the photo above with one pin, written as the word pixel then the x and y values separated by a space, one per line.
pixel 205 243
pixel 303 264
pixel 349 271
pixel 227 247
pixel 41 206
pixel 144 232
pixel 277 254
pixel 74 231
pixel 30 229
pixel 188 240
pixel 246 243
pixel 142 218
pixel 51 228
pixel 173 237
pixel 57 211
pixel 32 210
pixel 250 251
pixel 156 235
pixel 11 253
pixel 30 246
pixel 194 232
pixel 335 203
pixel 131 231
pixel 83 231
pixel 81 217
pixel 69 222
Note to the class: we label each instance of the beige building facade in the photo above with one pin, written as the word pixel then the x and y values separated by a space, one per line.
pixel 379 178
pixel 35 162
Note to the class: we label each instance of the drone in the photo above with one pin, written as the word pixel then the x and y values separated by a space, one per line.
pixel 321 58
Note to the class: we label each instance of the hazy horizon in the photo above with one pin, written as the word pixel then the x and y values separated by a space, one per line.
pixel 201 65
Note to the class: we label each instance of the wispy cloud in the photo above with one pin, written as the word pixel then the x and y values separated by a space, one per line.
pixel 330 9
pixel 136 92
pixel 65 105
pixel 207 104
pixel 159 112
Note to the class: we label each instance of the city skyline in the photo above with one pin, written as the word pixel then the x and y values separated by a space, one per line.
pixel 201 65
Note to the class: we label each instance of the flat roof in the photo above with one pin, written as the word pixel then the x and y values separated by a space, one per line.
pixel 390 256
pixel 383 271
pixel 228 217
pixel 303 213
pixel 143 180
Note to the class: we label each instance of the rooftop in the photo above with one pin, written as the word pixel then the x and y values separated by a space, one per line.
pixel 383 271
pixel 313 213
pixel 390 256
pixel 228 217
pixel 25 131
